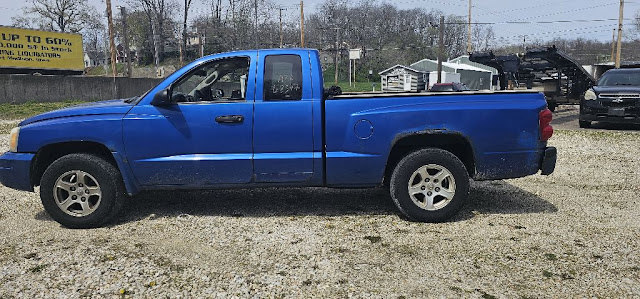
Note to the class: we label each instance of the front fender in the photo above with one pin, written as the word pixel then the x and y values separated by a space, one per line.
pixel 103 129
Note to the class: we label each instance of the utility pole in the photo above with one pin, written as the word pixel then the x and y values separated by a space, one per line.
pixel 335 61
pixel 613 45
pixel 281 37
pixel 255 25
pixel 302 24
pixel 440 47
pixel 350 77
pixel 127 52
pixel 469 30
pixel 112 45
pixel 619 46
pixel 201 42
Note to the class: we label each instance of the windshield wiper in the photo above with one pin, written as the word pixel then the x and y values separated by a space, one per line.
pixel 623 84
pixel 129 100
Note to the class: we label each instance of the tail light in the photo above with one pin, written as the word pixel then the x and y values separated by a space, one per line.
pixel 546 130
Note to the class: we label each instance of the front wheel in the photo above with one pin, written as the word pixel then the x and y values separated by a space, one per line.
pixel 82 191
pixel 429 185
pixel 584 124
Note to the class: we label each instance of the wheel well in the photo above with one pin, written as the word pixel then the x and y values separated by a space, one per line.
pixel 453 143
pixel 49 153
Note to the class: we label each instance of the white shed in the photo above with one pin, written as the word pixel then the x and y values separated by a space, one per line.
pixel 403 78
pixel 472 76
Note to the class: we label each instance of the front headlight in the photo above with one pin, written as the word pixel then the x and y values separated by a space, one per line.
pixel 590 95
pixel 13 141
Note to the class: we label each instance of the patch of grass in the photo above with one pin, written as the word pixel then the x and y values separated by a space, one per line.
pixel 488 296
pixel 547 274
pixel 107 258
pixel 38 268
pixel 550 256
pixel 340 250
pixel 11 111
pixel 373 239
pixel 406 250
pixel 456 289
pixel 358 86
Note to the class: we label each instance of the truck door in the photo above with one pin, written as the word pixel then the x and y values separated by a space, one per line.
pixel 283 122
pixel 204 137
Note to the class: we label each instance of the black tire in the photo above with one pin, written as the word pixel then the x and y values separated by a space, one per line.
pixel 399 185
pixel 110 185
pixel 585 124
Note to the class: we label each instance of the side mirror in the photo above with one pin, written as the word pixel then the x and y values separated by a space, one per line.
pixel 161 98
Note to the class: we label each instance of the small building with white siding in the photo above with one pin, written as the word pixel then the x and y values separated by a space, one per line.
pixel 472 76
pixel 403 78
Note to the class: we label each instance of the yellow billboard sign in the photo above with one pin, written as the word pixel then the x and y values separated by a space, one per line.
pixel 36 49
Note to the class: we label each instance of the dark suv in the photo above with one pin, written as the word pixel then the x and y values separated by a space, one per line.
pixel 614 99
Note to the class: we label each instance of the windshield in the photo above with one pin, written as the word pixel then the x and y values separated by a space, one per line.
pixel 620 78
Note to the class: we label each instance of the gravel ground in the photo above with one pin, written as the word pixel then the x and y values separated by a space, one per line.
pixel 573 234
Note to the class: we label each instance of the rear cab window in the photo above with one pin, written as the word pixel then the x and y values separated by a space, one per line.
pixel 282 78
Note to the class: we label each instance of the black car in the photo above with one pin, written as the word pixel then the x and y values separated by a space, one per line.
pixel 614 99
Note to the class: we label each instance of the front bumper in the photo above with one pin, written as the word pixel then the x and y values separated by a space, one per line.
pixel 599 110
pixel 629 119
pixel 548 163
pixel 15 170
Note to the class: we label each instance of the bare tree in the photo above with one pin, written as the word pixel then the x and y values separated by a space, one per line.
pixel 183 48
pixel 159 16
pixel 483 37
pixel 94 32
pixel 56 15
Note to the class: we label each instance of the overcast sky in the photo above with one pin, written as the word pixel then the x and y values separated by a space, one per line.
pixel 586 18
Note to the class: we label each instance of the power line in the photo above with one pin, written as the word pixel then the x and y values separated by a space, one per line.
pixel 539 22
pixel 567 11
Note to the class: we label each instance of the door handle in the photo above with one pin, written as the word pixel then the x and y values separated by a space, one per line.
pixel 229 119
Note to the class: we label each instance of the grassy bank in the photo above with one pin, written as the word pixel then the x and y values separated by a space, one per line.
pixel 11 111
pixel 355 87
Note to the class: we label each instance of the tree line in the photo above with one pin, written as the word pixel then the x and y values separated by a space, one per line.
pixel 159 32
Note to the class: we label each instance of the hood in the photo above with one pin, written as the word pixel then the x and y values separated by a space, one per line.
pixel 94 108
pixel 623 89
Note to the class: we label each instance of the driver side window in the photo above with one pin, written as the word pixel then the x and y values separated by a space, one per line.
pixel 219 80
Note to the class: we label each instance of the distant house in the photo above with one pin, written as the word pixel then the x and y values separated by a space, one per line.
pixel 403 78
pixel 94 58
pixel 474 77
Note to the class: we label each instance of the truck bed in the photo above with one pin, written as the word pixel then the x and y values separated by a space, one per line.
pixel 501 128
pixel 377 94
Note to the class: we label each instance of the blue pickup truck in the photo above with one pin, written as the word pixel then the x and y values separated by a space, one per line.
pixel 263 118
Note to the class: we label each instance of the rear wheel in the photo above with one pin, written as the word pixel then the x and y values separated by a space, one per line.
pixel 584 124
pixel 429 185
pixel 82 191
